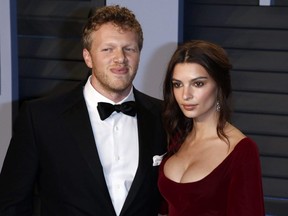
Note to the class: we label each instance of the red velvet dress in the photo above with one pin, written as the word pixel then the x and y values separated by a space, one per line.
pixel 234 188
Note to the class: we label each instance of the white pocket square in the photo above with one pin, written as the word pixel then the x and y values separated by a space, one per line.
pixel 157 159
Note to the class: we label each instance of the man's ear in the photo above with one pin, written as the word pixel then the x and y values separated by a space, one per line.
pixel 87 58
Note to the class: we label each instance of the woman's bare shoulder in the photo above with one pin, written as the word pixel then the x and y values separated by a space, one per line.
pixel 234 135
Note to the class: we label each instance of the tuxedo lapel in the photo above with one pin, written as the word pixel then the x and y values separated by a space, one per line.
pixel 145 122
pixel 77 121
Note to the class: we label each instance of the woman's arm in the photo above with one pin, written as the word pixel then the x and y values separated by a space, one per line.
pixel 245 190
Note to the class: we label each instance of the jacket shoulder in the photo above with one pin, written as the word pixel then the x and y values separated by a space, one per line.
pixel 146 99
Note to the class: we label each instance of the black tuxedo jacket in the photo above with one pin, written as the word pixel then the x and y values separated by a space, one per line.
pixel 53 147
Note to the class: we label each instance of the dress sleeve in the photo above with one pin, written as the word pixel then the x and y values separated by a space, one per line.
pixel 19 169
pixel 163 209
pixel 245 190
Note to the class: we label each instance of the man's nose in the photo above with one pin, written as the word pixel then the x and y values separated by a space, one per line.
pixel 119 56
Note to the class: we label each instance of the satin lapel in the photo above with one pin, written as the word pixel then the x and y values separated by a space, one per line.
pixel 78 122
pixel 144 121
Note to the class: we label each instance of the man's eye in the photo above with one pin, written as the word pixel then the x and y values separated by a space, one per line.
pixel 106 49
pixel 129 49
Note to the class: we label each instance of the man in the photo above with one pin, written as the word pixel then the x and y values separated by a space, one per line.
pixel 86 162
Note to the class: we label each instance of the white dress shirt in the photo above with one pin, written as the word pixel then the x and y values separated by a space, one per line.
pixel 117 143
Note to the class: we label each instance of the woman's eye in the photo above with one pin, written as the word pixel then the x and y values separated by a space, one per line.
pixel 176 84
pixel 198 84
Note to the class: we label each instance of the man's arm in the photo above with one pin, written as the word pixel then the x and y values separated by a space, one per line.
pixel 19 169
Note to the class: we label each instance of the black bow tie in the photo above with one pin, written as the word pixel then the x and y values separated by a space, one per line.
pixel 106 109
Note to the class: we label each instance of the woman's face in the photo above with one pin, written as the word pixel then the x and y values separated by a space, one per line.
pixel 195 91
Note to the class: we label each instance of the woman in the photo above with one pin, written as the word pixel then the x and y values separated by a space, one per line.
pixel 211 167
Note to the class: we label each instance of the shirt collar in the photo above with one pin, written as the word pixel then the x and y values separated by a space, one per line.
pixel 92 96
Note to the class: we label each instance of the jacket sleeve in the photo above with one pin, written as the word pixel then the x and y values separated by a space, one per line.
pixel 19 169
pixel 245 190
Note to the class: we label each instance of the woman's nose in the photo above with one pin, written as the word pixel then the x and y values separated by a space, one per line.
pixel 187 93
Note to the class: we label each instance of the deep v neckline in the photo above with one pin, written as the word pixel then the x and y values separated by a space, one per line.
pixel 222 163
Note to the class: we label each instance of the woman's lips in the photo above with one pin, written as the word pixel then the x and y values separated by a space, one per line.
pixel 189 107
